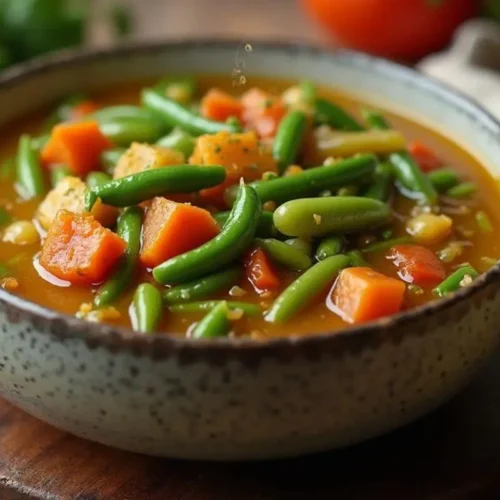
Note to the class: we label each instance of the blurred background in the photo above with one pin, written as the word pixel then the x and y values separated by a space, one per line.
pixel 408 31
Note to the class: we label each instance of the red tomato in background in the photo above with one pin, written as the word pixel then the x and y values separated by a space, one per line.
pixel 406 29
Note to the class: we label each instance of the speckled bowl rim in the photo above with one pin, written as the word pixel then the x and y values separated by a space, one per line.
pixel 163 345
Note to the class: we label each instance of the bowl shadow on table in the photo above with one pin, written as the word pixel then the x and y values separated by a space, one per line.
pixel 453 453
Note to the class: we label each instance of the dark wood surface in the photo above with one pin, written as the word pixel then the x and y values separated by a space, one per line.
pixel 452 454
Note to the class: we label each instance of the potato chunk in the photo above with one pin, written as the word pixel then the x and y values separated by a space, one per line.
pixel 139 157
pixel 69 194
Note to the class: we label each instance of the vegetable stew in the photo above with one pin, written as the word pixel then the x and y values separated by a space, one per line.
pixel 196 208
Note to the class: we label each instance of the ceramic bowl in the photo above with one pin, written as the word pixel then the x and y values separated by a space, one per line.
pixel 233 399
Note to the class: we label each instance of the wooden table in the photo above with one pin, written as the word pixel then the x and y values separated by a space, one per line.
pixel 453 454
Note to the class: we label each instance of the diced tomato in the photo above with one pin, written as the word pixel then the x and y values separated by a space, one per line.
pixel 417 264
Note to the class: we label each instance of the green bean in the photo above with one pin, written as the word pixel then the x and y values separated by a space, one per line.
pixel 265 228
pixel 96 179
pixel 195 307
pixel 301 244
pixel 124 112
pixel 267 176
pixel 387 244
pixel 8 168
pixel 406 169
pixel 331 114
pixel 305 288
pixel 289 138
pixel 313 180
pixel 124 131
pixel 463 190
pixel 329 247
pixel 180 89
pixel 285 255
pixel 179 141
pixel 308 92
pixel 351 190
pixel 39 142
pixel 147 308
pixel 129 229
pixel 5 217
pixel 313 217
pixel 110 158
pixel 484 222
pixel 443 179
pixel 356 259
pixel 57 173
pixel 174 114
pixel 463 276
pixel 381 186
pixel 63 112
pixel 214 324
pixel 204 287
pixel 29 170
pixel 235 237
pixel 145 185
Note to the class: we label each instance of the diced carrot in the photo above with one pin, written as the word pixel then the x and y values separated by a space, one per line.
pixel 424 156
pixel 81 110
pixel 417 264
pixel 240 154
pixel 262 111
pixel 78 249
pixel 172 228
pixel 362 294
pixel 78 145
pixel 260 271
pixel 219 105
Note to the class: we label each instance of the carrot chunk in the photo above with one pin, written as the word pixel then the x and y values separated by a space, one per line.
pixel 260 272
pixel 219 105
pixel 76 144
pixel 81 110
pixel 172 228
pixel 417 265
pixel 262 111
pixel 362 294
pixel 424 156
pixel 79 250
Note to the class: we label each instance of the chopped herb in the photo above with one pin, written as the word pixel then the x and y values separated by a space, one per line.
pixel 217 149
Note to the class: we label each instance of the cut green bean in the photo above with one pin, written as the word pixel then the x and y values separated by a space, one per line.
pixel 330 114
pixel 136 188
pixel 57 173
pixel 284 254
pixel 301 244
pixel 29 170
pixel 196 307
pixel 381 246
pixel 307 92
pixel 329 247
pixel 181 89
pixel 97 179
pixel 129 229
pixel 289 138
pixel 174 114
pixel 405 167
pixel 463 276
pixel 124 131
pixel 381 186
pixel 443 179
pixel 178 140
pixel 235 237
pixel 265 228
pixel 312 181
pixel 110 158
pixel 463 190
pixel 356 259
pixel 147 308
pixel 214 324
pixel 305 288
pixel 39 142
pixel 313 217
pixel 204 287
pixel 484 222
pixel 124 112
